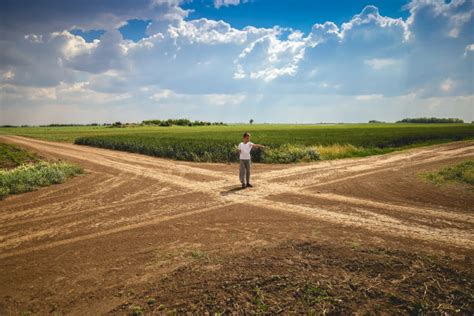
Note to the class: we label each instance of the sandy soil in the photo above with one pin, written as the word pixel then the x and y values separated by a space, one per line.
pixel 138 233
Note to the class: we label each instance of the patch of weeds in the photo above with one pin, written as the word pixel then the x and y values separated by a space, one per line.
pixel 198 255
pixel 151 301
pixel 418 308
pixel 460 173
pixel 355 245
pixel 315 232
pixel 375 251
pixel 312 294
pixel 259 300
pixel 136 310
pixel 30 177
pixel 396 300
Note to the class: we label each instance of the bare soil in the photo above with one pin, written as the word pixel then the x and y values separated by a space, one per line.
pixel 142 234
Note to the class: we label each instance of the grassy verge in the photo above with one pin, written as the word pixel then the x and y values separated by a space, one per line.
pixel 29 177
pixel 460 173
pixel 12 156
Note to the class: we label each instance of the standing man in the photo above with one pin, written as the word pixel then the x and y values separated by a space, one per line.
pixel 244 151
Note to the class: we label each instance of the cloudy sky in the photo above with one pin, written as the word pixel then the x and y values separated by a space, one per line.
pixel 283 61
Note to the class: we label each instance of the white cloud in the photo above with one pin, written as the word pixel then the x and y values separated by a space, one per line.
pixel 207 31
pixel 8 75
pixel 183 62
pixel 164 94
pixel 269 57
pixel 225 99
pixel 452 16
pixel 469 48
pixel 370 16
pixel 34 38
pixel 369 97
pixel 73 45
pixel 447 85
pixel 379 63
pixel 226 3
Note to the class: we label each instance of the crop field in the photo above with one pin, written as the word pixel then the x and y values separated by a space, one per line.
pixel 286 143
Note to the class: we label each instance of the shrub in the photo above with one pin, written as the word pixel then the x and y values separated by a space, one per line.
pixel 29 177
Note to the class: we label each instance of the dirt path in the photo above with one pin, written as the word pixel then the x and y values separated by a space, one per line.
pixel 132 219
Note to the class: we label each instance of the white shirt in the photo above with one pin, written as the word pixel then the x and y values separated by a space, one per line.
pixel 245 150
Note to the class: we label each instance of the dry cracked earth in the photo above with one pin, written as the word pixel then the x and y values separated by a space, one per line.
pixel 137 234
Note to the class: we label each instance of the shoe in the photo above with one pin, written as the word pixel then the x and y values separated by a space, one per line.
pixel 249 185
pixel 243 186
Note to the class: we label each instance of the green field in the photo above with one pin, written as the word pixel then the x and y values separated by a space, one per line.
pixel 286 143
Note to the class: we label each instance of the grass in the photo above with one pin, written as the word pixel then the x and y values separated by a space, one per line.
pixel 136 310
pixel 460 173
pixel 198 255
pixel 12 156
pixel 258 300
pixel 286 143
pixel 29 177
pixel 312 294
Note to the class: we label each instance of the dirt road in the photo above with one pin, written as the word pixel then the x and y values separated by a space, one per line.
pixel 129 229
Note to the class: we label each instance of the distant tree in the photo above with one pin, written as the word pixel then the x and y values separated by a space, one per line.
pixel 428 120
pixel 251 121
pixel 179 122
pixel 117 124
pixel 375 122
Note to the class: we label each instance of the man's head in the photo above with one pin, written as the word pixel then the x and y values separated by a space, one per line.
pixel 246 137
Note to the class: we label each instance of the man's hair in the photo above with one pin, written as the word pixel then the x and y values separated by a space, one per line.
pixel 246 134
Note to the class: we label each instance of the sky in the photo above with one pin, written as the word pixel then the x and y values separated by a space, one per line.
pixel 284 61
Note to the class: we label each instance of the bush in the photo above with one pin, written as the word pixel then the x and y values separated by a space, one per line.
pixel 29 177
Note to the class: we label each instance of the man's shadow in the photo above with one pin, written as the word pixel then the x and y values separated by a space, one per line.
pixel 233 190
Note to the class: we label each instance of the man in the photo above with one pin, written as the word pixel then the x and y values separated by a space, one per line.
pixel 244 153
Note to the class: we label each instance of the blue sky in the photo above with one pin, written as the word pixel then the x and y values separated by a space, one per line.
pixel 231 60
pixel 301 14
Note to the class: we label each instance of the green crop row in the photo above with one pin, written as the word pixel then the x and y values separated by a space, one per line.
pixel 284 145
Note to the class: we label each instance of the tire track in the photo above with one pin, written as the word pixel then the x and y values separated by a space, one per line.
pixel 111 231
pixel 117 172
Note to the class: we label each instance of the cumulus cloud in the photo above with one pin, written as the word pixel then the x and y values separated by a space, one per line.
pixel 468 49
pixel 226 3
pixel 369 58
pixel 269 57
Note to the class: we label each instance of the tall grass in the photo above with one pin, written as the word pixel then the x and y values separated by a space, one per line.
pixel 462 173
pixel 12 156
pixel 288 153
pixel 29 177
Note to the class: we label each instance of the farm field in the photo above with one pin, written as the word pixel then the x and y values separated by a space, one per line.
pixel 143 235
pixel 286 143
